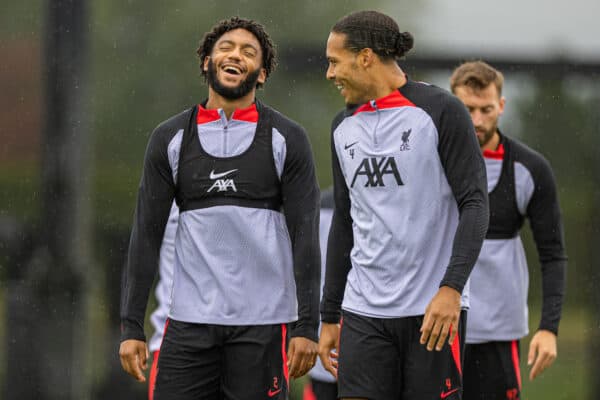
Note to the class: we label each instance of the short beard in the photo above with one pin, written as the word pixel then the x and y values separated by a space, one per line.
pixel 488 136
pixel 231 93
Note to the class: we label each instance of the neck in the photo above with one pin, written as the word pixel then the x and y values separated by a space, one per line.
pixel 492 144
pixel 216 101
pixel 386 79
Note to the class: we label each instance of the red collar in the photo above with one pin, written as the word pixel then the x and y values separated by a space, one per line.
pixel 394 99
pixel 248 114
pixel 497 154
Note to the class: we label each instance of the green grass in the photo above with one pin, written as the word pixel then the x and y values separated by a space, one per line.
pixel 568 377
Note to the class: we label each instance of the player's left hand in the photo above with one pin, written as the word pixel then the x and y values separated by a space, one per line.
pixel 302 355
pixel 542 352
pixel 441 317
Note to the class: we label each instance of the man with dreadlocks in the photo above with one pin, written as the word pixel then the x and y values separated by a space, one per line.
pixel 247 259
pixel 409 219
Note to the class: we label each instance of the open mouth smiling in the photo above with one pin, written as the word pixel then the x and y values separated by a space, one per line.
pixel 232 69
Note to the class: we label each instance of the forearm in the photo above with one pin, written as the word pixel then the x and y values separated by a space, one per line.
pixel 468 239
pixel 553 288
pixel 142 265
pixel 307 270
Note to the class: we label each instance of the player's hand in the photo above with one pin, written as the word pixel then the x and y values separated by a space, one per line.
pixel 134 358
pixel 302 354
pixel 329 341
pixel 441 316
pixel 542 352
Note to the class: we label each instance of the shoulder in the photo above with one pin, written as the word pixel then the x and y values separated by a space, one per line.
pixel 534 161
pixel 431 98
pixel 342 115
pixel 285 125
pixel 174 123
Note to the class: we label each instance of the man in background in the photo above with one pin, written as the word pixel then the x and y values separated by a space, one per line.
pixel 520 186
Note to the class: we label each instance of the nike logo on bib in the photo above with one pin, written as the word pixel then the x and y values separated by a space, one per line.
pixel 221 174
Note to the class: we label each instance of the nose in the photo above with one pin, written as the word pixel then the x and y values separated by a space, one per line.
pixel 235 53
pixel 476 117
pixel 330 74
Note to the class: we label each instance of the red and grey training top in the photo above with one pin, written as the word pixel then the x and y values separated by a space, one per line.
pixel 411 207
pixel 246 247
pixel 521 185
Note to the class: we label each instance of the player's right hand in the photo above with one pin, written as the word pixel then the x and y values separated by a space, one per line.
pixel 329 341
pixel 134 358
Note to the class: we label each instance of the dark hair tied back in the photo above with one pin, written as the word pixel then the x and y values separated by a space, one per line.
pixel 374 30
pixel 404 43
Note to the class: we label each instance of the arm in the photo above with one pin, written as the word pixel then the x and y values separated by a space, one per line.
pixel 339 246
pixel 465 171
pixel 301 206
pixel 155 196
pixel 544 217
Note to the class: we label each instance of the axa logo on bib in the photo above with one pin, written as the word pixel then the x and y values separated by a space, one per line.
pixel 222 183
pixel 375 169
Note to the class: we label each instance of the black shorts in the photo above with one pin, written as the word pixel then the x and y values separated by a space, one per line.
pixel 217 362
pixel 382 359
pixel 492 371
pixel 320 390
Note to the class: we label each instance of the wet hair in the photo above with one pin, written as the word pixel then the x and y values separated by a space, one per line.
pixel 476 75
pixel 269 57
pixel 376 31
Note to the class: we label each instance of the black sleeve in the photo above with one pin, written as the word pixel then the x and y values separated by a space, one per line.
pixel 155 196
pixel 465 170
pixel 340 241
pixel 301 207
pixel 543 212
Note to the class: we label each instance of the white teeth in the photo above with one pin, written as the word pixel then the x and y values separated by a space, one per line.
pixel 232 69
pixel 340 87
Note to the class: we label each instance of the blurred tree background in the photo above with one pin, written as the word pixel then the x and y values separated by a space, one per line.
pixel 139 67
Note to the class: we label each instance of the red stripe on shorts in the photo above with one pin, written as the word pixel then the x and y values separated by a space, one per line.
pixel 456 352
pixel 515 359
pixel 286 372
pixel 153 372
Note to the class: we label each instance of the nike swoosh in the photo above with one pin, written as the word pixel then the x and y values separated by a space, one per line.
pixel 347 146
pixel 272 393
pixel 220 175
pixel 446 394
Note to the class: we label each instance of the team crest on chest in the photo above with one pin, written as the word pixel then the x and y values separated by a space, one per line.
pixel 405 138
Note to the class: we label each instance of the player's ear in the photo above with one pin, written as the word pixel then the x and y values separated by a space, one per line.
pixel 502 102
pixel 366 57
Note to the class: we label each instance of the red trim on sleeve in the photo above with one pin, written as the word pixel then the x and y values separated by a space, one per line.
pixel 497 154
pixel 205 116
pixel 392 100
pixel 286 371
pixel 456 352
pixel 515 358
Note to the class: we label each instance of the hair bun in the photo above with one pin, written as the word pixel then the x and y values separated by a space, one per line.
pixel 404 43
